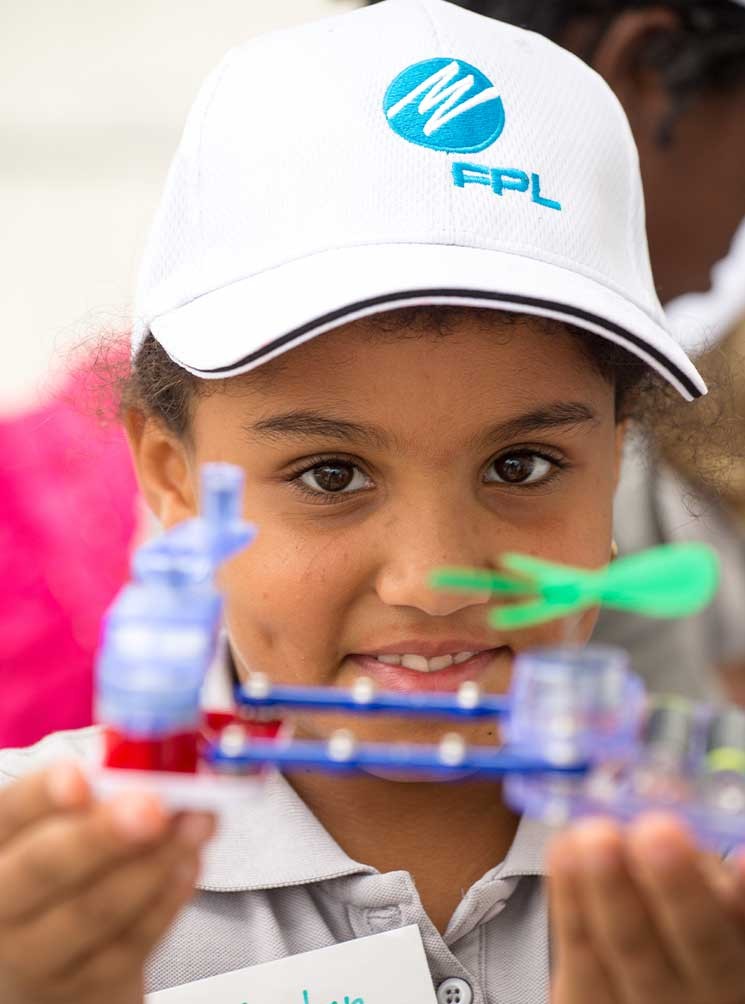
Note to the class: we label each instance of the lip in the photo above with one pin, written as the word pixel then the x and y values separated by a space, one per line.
pixel 431 649
pixel 404 680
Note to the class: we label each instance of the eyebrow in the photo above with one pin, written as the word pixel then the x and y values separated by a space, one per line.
pixel 561 414
pixel 315 425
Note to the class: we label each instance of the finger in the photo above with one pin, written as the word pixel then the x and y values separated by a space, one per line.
pixel 706 942
pixel 163 910
pixel 62 853
pixel 735 895
pixel 23 803
pixel 728 884
pixel 122 960
pixel 80 926
pixel 622 927
pixel 580 977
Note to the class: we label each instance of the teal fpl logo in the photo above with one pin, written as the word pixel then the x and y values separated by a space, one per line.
pixel 450 106
pixel 445 104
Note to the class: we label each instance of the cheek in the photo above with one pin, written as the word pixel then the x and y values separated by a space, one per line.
pixel 286 601
pixel 574 630
pixel 578 533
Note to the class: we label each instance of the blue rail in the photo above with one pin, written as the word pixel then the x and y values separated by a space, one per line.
pixel 462 704
pixel 337 757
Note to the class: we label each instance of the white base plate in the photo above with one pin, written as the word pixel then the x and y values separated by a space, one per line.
pixel 206 792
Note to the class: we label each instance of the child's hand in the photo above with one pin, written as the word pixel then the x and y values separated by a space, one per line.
pixel 641 916
pixel 87 889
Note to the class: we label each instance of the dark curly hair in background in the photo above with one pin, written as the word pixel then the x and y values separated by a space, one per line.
pixel 704 53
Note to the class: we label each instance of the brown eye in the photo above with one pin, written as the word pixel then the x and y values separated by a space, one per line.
pixel 334 478
pixel 519 469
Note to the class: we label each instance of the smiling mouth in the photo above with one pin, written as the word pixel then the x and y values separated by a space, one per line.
pixel 413 671
pixel 420 664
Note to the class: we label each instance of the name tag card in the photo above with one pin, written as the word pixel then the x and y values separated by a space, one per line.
pixel 389 968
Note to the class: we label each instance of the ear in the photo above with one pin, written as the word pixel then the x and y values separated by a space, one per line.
pixel 618 57
pixel 621 429
pixel 164 468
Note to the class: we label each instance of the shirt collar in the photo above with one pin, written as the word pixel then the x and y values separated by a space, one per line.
pixel 272 839
pixel 527 852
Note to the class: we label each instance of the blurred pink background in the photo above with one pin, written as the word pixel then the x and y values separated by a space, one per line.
pixel 68 517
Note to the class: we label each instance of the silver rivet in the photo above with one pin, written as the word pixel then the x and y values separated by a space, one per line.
pixel 469 694
pixel 341 745
pixel 363 690
pixel 258 686
pixel 452 751
pixel 232 740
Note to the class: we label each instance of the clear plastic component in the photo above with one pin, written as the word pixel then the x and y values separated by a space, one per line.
pixel 644 753
pixel 572 703
pixel 160 634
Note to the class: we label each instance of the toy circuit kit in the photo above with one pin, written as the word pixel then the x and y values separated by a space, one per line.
pixel 580 734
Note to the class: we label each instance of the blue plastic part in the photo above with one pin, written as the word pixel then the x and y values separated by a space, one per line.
pixel 572 723
pixel 408 759
pixel 160 633
pixel 428 705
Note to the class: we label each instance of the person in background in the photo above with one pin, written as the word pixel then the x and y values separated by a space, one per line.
pixel 678 69
pixel 68 518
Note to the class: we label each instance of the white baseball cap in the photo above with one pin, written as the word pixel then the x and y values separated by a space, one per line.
pixel 407 153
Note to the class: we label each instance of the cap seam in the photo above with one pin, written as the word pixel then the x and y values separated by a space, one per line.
pixel 227 63
pixel 440 44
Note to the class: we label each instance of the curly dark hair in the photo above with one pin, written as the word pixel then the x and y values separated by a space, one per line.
pixel 162 390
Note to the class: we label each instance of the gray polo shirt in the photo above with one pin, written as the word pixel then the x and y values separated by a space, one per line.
pixel 275 883
pixel 655 506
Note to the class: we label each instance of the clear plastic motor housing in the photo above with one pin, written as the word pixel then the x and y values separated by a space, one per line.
pixel 572 703
pixel 569 705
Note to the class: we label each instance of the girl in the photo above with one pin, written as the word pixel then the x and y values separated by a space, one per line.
pixel 406 287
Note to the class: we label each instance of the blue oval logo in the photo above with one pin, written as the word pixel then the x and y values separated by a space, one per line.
pixel 445 104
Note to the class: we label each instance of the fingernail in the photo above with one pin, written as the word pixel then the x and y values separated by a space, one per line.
pixel 137 816
pixel 561 855
pixel 65 786
pixel 193 829
pixel 660 842
pixel 598 846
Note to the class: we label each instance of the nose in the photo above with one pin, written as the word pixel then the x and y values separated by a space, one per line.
pixel 418 545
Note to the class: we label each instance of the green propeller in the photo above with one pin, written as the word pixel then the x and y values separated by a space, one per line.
pixel 673 580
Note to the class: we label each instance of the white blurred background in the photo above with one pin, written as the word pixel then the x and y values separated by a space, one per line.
pixel 92 99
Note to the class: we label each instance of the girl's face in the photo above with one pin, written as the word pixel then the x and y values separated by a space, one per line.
pixel 372 459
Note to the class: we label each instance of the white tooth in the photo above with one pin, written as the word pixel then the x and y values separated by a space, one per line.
pixel 441 662
pixel 463 657
pixel 389 660
pixel 417 662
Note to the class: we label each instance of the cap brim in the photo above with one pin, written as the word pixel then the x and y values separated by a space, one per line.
pixel 240 326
